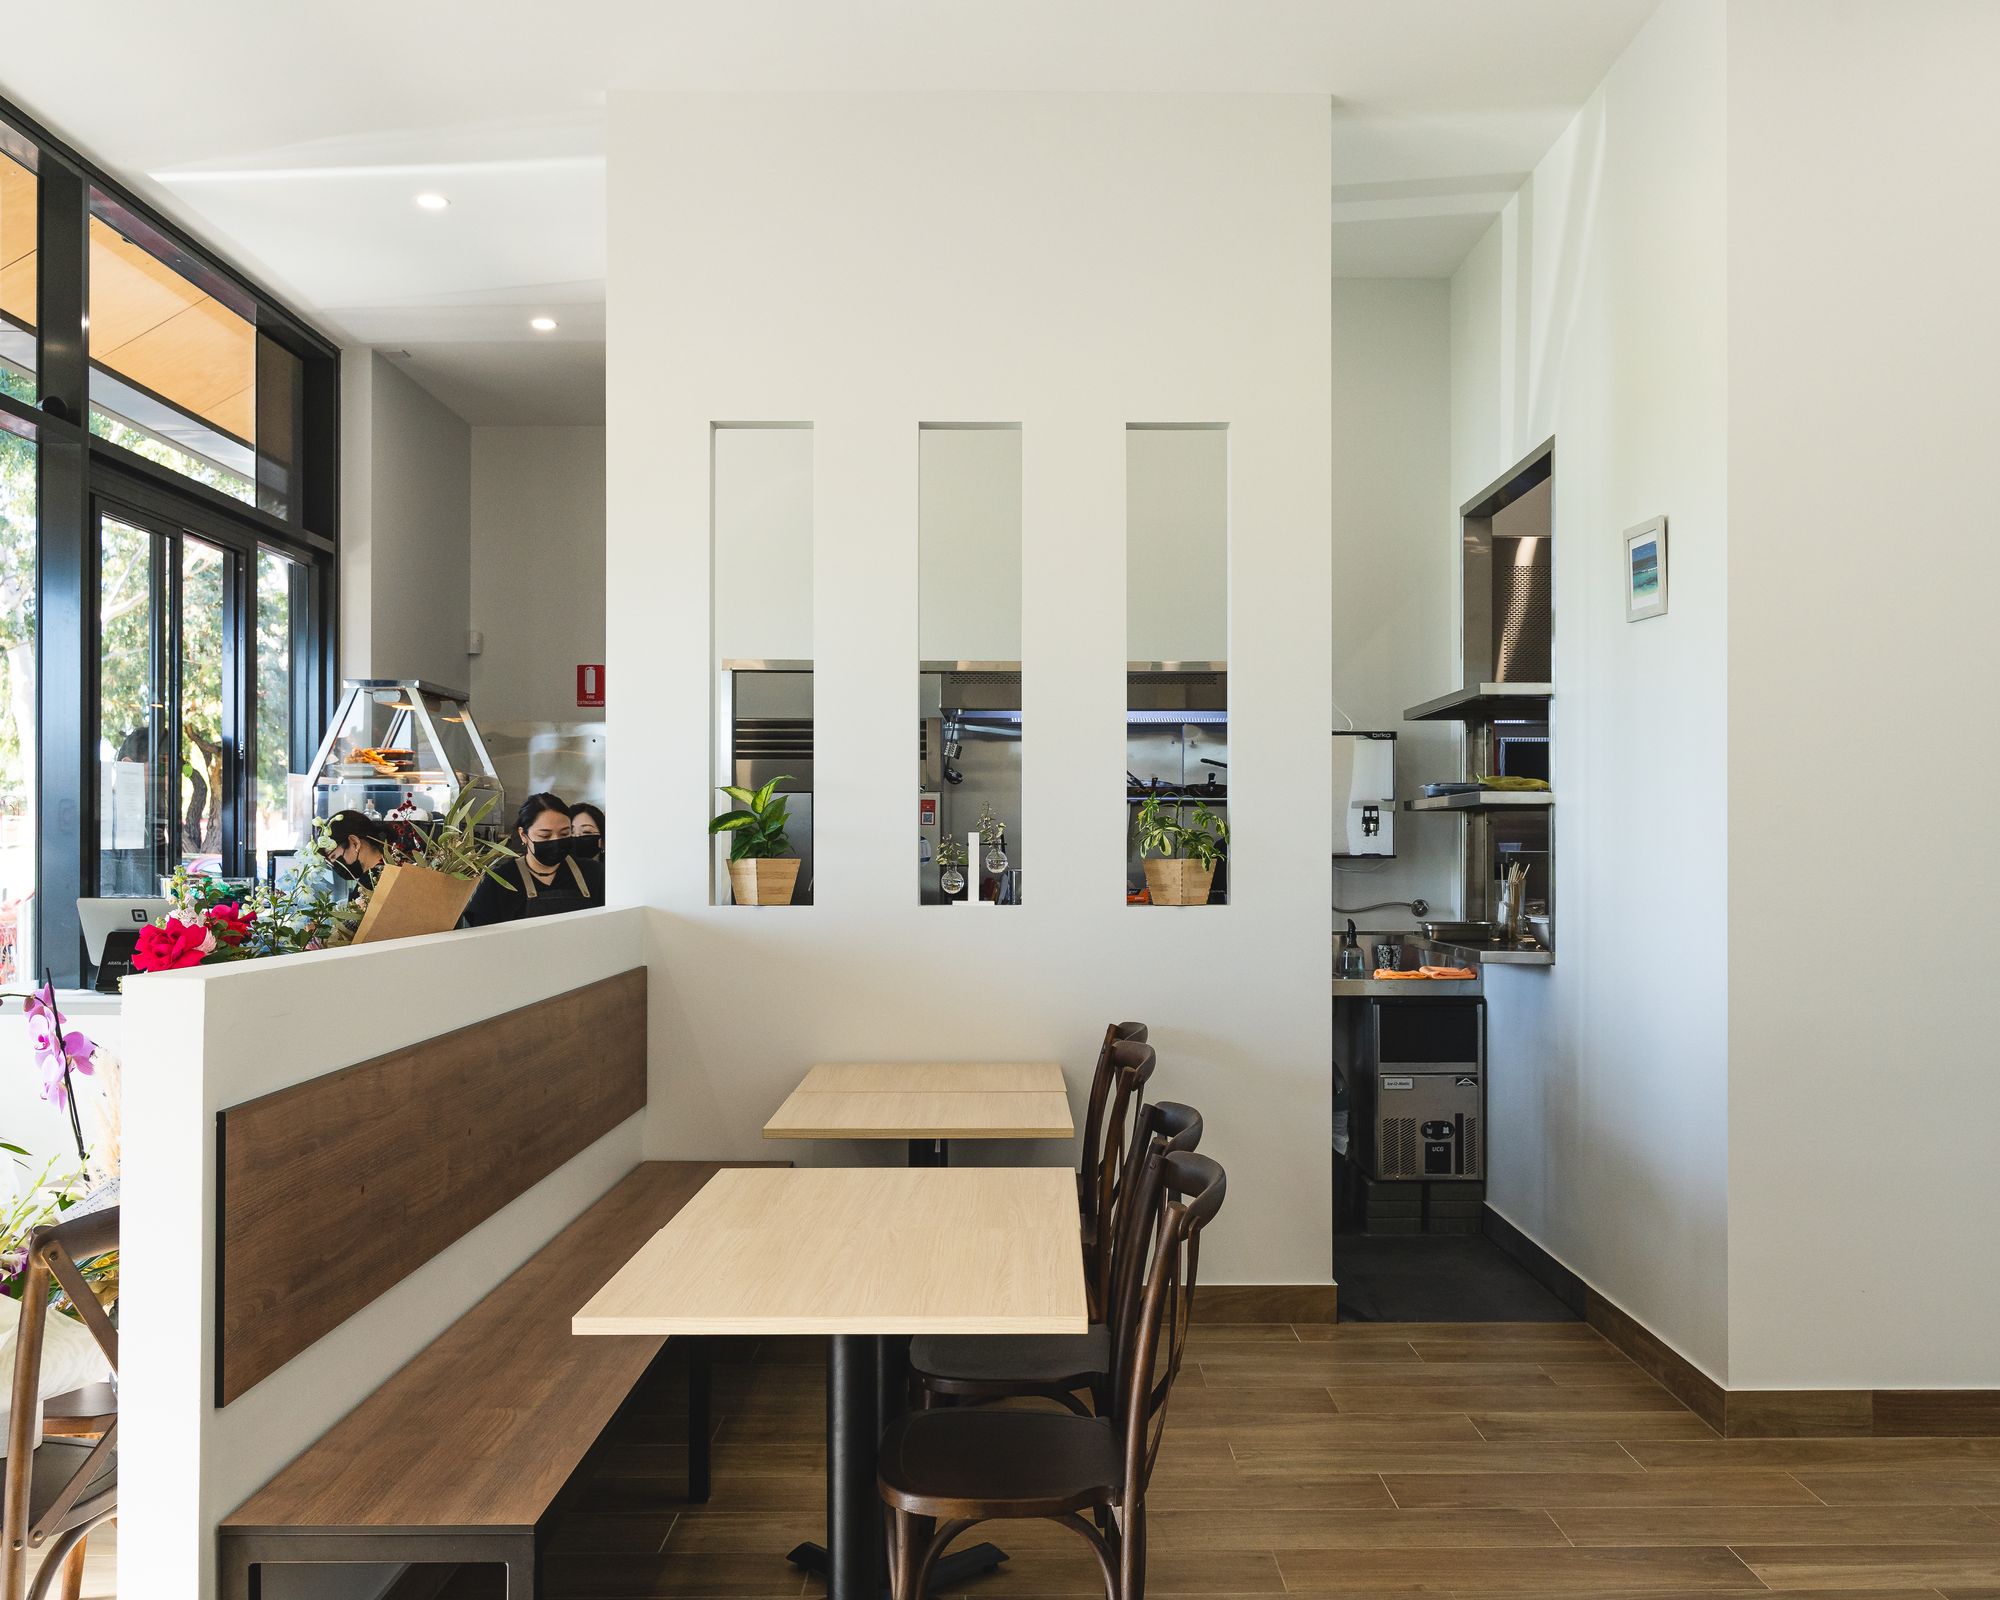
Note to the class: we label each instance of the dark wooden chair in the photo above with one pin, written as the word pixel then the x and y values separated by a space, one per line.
pixel 58 1491
pixel 1124 1066
pixel 972 1368
pixel 944 1472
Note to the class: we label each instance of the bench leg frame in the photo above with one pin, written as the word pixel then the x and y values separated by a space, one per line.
pixel 243 1557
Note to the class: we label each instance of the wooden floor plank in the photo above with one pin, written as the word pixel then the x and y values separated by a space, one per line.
pixel 1690 1569
pixel 1455 1462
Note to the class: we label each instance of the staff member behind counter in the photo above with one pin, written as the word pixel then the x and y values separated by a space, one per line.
pixel 586 827
pixel 547 879
pixel 356 855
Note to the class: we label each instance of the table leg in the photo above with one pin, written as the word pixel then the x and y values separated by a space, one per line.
pixel 930 1152
pixel 865 1386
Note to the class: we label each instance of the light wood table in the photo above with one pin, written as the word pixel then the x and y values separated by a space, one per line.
pixel 927 1104
pixel 869 1256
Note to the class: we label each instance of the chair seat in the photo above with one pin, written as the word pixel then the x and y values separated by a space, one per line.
pixel 989 1463
pixel 1064 1360
pixel 56 1462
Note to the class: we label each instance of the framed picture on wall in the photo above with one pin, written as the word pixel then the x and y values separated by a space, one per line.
pixel 1646 570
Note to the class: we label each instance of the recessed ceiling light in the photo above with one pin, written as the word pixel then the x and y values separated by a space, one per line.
pixel 542 324
pixel 432 202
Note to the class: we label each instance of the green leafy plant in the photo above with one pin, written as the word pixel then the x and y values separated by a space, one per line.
pixel 1165 827
pixel 757 831
pixel 950 853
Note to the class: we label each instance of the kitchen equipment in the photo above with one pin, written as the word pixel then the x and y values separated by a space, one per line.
pixel 1347 963
pixel 398 743
pixel 1364 793
pixel 1417 1068
pixel 767 725
pixel 1388 953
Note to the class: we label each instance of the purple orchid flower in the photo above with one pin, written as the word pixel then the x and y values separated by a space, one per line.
pixel 57 1053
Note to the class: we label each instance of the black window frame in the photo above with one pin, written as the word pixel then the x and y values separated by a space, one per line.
pixel 80 475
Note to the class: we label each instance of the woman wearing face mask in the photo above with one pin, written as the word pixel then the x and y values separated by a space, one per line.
pixel 546 880
pixel 586 831
pixel 355 853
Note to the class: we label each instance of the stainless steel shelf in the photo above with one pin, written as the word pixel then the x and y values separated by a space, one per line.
pixel 1487 702
pixel 1484 800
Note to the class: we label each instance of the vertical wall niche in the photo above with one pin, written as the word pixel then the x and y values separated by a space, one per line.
pixel 1177 672
pixel 761 532
pixel 969 844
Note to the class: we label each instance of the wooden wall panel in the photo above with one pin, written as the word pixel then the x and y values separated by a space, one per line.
pixel 334 1190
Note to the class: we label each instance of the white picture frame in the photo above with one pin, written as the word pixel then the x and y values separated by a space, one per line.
pixel 1645 570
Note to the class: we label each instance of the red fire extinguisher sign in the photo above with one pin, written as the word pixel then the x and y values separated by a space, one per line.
pixel 590 684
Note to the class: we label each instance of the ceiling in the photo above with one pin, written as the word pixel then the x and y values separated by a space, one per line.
pixel 294 138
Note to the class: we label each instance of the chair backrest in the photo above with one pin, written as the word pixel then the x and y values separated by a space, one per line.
pixel 1100 1096
pixel 1161 1127
pixel 1182 1191
pixel 1132 1066
pixel 53 1254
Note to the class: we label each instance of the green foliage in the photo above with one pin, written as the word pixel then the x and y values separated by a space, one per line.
pixel 757 832
pixel 950 853
pixel 1164 827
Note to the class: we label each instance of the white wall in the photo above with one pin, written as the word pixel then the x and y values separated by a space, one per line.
pixel 1606 285
pixel 207 1038
pixel 763 544
pixel 1395 567
pixel 406 512
pixel 1177 544
pixel 1071 263
pixel 26 1119
pixel 537 555
pixel 1864 158
pixel 969 544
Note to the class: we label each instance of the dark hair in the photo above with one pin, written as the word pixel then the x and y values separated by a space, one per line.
pixel 345 825
pixel 583 808
pixel 534 806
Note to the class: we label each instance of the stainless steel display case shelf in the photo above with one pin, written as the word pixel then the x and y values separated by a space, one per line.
pixel 1484 800
pixel 448 760
pixel 1487 702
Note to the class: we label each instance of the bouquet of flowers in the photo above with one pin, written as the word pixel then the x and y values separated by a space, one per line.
pixel 212 922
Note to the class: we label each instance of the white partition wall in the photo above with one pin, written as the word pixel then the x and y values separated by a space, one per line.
pixel 1071 264
pixel 200 1041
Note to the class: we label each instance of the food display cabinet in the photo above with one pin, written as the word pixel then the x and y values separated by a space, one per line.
pixel 401 747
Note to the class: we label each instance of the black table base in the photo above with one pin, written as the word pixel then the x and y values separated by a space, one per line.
pixel 866 1378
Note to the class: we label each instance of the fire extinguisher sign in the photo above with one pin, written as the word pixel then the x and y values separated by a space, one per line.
pixel 590 684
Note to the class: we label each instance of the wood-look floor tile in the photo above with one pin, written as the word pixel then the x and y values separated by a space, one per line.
pixel 1325 1431
pixel 1354 1491
pixel 1411 1399
pixel 1602 1459
pixel 1691 1569
pixel 1192 1396
pixel 1779 1525
pixel 611 1576
pixel 1823 1454
pixel 1970 1485
pixel 1515 1427
pixel 1243 1333
pixel 1257 1527
pixel 1531 1490
pixel 1863 1567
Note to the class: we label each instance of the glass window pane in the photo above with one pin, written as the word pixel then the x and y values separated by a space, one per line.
pixel 204 786
pixel 18 200
pixel 173 356
pixel 131 718
pixel 282 800
pixel 17 709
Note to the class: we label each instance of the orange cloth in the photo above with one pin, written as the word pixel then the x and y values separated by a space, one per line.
pixel 1434 974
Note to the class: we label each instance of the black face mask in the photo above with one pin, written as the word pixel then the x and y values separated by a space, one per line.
pixel 587 846
pixel 350 870
pixel 551 852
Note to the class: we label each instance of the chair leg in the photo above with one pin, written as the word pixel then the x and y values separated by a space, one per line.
pixel 1132 1557
pixel 72 1576
pixel 701 1383
pixel 56 1563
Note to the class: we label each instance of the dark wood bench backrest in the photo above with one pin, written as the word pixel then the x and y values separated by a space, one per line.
pixel 336 1189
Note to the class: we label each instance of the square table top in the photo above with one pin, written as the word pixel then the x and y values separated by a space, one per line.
pixel 952 1076
pixel 922 1114
pixel 863 1250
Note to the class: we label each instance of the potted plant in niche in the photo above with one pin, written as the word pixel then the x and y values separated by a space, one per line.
pixel 1180 848
pixel 762 869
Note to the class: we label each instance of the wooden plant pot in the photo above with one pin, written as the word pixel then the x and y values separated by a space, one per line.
pixel 766 882
pixel 407 901
pixel 1178 882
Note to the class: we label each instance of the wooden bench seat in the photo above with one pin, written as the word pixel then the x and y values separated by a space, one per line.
pixel 461 1455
